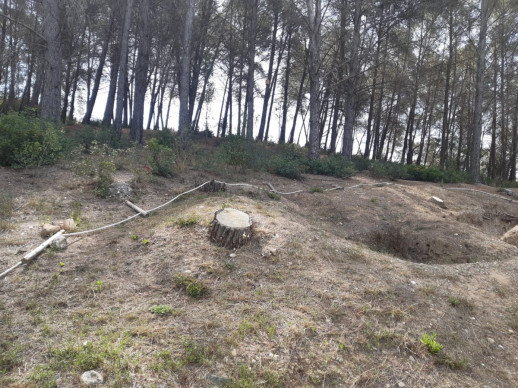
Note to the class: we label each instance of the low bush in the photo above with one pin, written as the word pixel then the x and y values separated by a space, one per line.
pixel 286 167
pixel 433 174
pixel 89 137
pixel 161 158
pixel 104 179
pixel 392 171
pixel 233 151
pixel 334 165
pixel 27 141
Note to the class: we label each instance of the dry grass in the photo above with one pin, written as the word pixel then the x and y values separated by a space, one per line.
pixel 317 310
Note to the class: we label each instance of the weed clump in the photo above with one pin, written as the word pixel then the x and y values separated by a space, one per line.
pixel 161 309
pixel 189 221
pixel 193 287
pixel 9 357
pixel 430 343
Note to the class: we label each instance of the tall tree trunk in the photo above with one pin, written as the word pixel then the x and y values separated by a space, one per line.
pixel 314 22
pixel 114 71
pixel 51 98
pixel 352 84
pixel 282 135
pixel 299 101
pixel 445 122
pixel 75 80
pixel 269 80
pixel 479 90
pixel 123 66
pixel 99 73
pixel 253 8
pixel 374 83
pixel 142 67
pixel 184 120
pixel 514 145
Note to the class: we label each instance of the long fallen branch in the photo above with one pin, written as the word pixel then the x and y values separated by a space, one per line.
pixel 35 252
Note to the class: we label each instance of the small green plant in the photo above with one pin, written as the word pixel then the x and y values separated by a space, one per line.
pixel 193 287
pixel 145 241
pixel 460 303
pixel 273 195
pixel 97 285
pixel 454 301
pixel 194 353
pixel 76 211
pixel 373 200
pixel 161 309
pixel 134 237
pixel 190 221
pixel 61 264
pixel 316 190
pixel 430 343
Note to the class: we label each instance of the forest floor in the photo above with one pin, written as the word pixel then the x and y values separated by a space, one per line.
pixel 336 288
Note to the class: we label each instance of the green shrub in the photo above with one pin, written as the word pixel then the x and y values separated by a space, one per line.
pixel 162 158
pixel 166 138
pixel 28 141
pixel 334 165
pixel 360 163
pixel 233 151
pixel 104 179
pixel 89 137
pixel 392 171
pixel 423 173
pixel 286 167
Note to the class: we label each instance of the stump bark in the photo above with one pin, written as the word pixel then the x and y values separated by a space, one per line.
pixel 230 228
pixel 214 187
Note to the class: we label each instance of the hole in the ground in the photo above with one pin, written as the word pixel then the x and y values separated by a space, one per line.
pixel 429 243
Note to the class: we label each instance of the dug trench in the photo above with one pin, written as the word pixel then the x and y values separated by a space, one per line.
pixel 401 220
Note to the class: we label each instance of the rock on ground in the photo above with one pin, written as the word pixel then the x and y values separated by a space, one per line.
pixel 120 189
pixel 92 377
pixel 48 230
pixel 511 237
pixel 69 225
pixel 59 243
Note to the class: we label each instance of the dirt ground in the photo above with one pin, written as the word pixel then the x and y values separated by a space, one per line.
pixel 336 288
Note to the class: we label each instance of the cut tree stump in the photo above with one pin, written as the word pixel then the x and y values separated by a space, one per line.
pixel 231 228
pixel 214 187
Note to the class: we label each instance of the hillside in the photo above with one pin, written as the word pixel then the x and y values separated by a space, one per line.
pixel 335 289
